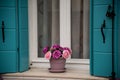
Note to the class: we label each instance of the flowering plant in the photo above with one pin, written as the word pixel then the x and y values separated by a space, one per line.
pixel 56 51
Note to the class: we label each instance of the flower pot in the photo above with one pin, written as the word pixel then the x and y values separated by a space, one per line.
pixel 57 65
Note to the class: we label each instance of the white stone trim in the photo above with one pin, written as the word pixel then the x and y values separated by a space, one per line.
pixel 65 23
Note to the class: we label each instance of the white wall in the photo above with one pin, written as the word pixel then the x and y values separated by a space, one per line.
pixel 32 10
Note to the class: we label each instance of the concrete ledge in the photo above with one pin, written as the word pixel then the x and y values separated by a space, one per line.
pixel 36 73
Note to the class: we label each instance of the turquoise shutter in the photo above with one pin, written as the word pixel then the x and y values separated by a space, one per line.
pixel 8 39
pixel 13 36
pixel 101 51
pixel 23 35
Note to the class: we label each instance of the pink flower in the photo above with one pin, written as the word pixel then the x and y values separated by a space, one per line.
pixel 48 55
pixel 45 49
pixel 66 54
pixel 66 48
pixel 56 54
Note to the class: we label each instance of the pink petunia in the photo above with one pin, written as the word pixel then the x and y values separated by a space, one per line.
pixel 66 54
pixel 48 55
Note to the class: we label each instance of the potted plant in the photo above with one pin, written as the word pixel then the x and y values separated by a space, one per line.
pixel 57 56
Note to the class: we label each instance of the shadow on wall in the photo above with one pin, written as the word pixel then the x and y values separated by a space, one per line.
pixel 1 77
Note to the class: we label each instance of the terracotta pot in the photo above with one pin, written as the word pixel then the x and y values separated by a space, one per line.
pixel 57 65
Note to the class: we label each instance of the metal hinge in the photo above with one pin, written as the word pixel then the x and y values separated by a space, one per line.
pixel 110 12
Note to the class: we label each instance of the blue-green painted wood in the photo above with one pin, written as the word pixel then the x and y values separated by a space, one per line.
pixel 91 37
pixel 103 2
pixel 10 40
pixel 101 52
pixel 8 15
pixel 24 3
pixel 116 41
pixel 99 14
pixel 8 61
pixel 8 3
pixel 8 48
pixel 117 38
pixel 24 39
pixel 23 35
pixel 102 64
pixel 24 60
pixel 14 51
pixel 98 44
pixel 24 18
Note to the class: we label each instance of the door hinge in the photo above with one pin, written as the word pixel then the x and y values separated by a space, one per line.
pixel 110 12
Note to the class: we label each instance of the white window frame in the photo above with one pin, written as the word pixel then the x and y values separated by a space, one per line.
pixel 65 23
pixel 65 30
